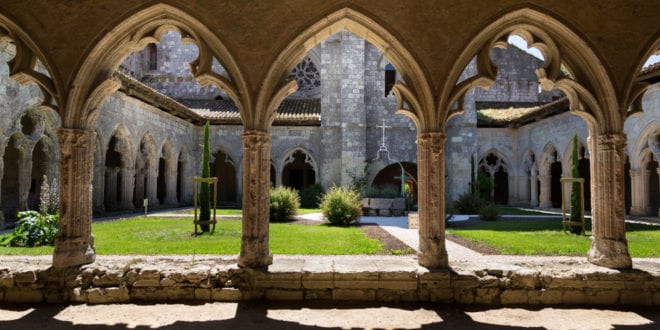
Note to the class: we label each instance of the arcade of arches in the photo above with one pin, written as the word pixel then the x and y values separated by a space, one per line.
pixel 302 99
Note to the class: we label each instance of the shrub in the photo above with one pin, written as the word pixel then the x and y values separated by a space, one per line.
pixel 284 203
pixel 309 196
pixel 489 212
pixel 33 229
pixel 341 206
pixel 486 184
pixel 468 203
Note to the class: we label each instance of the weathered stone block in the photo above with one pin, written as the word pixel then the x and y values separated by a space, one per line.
pixel 25 279
pixel 435 279
pixel 6 280
pixel 167 282
pixel 226 294
pixel 572 297
pixel 395 296
pixel 148 278
pixel 558 283
pixel 23 295
pixel 544 297
pixel 513 297
pixel 487 296
pixel 465 282
pixel 525 279
pixel 489 281
pixel 107 295
pixel 358 280
pixel 354 294
pixel 601 296
pixel 604 284
pixel 290 295
pixel 203 294
pixel 180 293
pixel 318 294
pixel 636 297
pixel 464 296
pixel 277 280
pixel 78 295
pixel 110 278
pixel 312 280
pixel 148 294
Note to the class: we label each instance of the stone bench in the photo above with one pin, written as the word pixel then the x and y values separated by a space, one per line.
pixel 386 207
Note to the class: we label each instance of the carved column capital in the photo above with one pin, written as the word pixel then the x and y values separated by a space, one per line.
pixel 608 142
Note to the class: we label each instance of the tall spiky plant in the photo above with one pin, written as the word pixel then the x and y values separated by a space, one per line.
pixel 205 193
pixel 576 201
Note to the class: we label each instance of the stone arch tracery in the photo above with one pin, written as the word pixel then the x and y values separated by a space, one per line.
pixel 496 166
pixel 299 169
pixel 644 172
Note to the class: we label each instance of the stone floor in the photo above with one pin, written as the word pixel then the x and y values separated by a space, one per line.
pixel 272 316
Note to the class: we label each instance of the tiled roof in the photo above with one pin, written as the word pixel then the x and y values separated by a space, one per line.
pixel 519 116
pixel 292 112
pixel 650 74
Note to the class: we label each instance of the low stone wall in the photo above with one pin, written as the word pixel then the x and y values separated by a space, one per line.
pixel 368 279
pixel 384 206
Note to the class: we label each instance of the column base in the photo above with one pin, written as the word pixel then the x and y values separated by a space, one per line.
pixel 434 253
pixel 73 252
pixel 545 205
pixel 609 253
pixel 637 211
pixel 253 255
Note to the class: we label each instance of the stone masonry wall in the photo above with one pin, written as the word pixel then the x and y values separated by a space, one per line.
pixel 382 280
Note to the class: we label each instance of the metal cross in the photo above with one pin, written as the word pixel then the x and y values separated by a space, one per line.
pixel 382 146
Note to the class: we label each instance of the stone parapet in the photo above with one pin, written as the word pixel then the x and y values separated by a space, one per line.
pixel 343 278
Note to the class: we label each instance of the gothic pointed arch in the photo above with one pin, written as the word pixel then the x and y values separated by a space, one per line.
pixel 225 167
pixel 43 154
pixel 637 83
pixel 587 85
pixel 649 138
pixel 299 168
pixel 95 81
pixel 146 166
pixel 414 97
pixel 24 66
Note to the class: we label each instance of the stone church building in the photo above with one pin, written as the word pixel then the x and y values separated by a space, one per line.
pixel 149 133
pixel 108 98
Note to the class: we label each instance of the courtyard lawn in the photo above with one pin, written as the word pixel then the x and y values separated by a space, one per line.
pixel 240 212
pixel 517 211
pixel 154 236
pixel 545 237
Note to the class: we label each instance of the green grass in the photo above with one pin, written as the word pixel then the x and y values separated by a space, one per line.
pixel 154 236
pixel 545 237
pixel 240 212
pixel 517 211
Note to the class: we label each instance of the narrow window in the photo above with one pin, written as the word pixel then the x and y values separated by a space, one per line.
pixel 152 57
pixel 390 78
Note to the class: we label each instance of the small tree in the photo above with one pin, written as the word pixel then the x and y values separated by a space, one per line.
pixel 576 201
pixel 205 193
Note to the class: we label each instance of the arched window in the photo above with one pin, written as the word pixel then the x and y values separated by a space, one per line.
pixel 152 57
pixel 390 78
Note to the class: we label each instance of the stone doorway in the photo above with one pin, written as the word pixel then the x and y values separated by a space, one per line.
pixel 223 167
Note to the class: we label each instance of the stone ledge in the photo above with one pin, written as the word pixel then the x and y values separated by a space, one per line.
pixel 340 278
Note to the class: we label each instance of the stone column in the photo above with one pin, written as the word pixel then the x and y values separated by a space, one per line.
pixel 170 182
pixel 151 188
pixel 637 196
pixel 278 177
pixel 609 247
pixel 75 244
pixel 534 190
pixel 545 201
pixel 127 182
pixel 2 175
pixel 24 178
pixel 111 186
pixel 255 250
pixel 658 169
pixel 99 189
pixel 139 194
pixel 430 155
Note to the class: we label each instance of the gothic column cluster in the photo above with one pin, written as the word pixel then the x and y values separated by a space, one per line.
pixel 75 243
pixel 609 246
pixel 255 251
pixel 431 202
